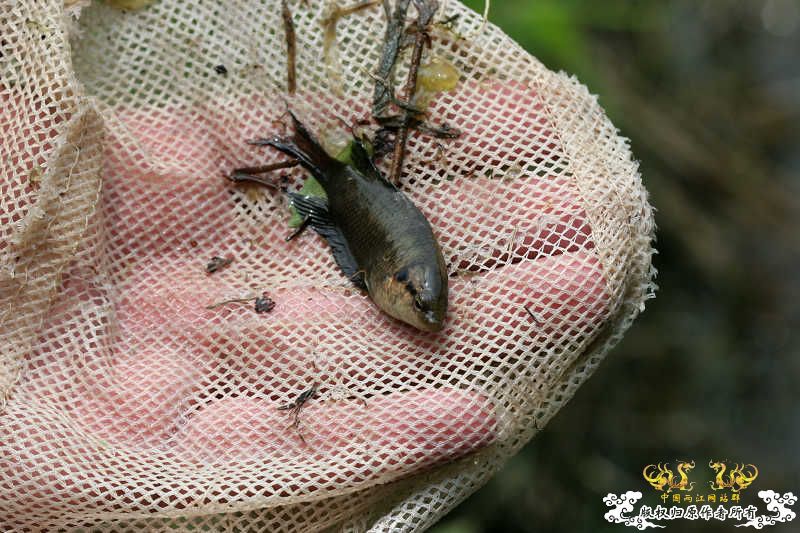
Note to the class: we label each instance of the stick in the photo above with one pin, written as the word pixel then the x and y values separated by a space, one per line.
pixel 263 169
pixel 291 47
pixel 399 152
pixel 535 318
pixel 426 10
pixel 395 22
pixel 232 301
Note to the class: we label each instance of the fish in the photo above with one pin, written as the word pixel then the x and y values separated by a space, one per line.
pixel 378 237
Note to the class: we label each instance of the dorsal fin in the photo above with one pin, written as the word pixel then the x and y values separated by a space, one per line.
pixel 361 160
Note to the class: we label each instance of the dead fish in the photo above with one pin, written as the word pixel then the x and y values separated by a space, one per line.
pixel 377 235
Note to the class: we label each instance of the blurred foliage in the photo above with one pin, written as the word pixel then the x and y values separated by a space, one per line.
pixel 708 91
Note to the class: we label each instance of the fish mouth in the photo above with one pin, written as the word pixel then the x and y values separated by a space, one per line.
pixel 432 322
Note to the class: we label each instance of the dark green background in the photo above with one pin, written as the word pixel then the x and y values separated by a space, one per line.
pixel 709 94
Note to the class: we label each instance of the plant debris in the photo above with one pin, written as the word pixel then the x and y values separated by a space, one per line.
pixel 231 301
pixel 533 315
pixel 435 76
pixel 426 10
pixel 291 47
pixel 218 263
pixel 384 87
pixel 333 12
pixel 297 405
pixel 264 304
pixel 251 174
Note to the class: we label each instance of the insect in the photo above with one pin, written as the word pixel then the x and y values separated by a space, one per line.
pixel 379 238
pixel 297 405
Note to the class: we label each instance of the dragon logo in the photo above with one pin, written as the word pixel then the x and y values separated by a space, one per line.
pixel 662 478
pixel 738 478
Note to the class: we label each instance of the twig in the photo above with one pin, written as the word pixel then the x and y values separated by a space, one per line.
pixel 263 169
pixel 253 174
pixel 440 132
pixel 426 10
pixel 535 318
pixel 395 23
pixel 399 152
pixel 291 47
pixel 232 301
pixel 444 131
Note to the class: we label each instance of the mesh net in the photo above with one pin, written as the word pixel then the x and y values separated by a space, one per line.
pixel 128 404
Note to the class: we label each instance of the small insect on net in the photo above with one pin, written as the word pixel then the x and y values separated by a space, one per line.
pixel 142 392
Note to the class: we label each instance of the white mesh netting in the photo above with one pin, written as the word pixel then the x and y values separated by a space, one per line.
pixel 127 404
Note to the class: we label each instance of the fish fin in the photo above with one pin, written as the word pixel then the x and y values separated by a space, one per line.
pixel 315 209
pixel 359 279
pixel 307 150
pixel 359 156
pixel 361 160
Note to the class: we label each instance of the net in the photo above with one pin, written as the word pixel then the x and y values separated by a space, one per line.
pixel 128 403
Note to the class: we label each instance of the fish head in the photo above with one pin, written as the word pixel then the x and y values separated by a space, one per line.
pixel 415 294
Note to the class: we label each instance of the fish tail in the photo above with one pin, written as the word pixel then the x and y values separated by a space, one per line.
pixel 307 150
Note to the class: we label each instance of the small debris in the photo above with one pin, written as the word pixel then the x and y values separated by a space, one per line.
pixel 264 304
pixel 221 69
pixel 533 315
pixel 217 263
pixel 297 405
pixel 35 175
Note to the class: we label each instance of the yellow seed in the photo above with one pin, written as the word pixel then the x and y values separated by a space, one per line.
pixel 437 75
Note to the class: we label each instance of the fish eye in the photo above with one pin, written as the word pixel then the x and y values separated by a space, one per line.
pixel 402 275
